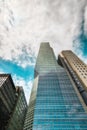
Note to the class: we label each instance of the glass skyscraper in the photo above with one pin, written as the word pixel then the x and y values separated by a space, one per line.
pixel 54 103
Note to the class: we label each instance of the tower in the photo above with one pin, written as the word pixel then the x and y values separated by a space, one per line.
pixel 77 70
pixel 13 104
pixel 77 65
pixel 54 102
pixel 16 121
pixel 7 99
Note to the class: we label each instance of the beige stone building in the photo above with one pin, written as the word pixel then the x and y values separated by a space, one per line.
pixel 77 65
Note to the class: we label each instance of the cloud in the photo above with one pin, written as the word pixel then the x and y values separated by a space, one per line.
pixel 80 42
pixel 27 24
pixel 10 67
pixel 81 55
pixel 19 81
pixel 22 76
pixel 85 21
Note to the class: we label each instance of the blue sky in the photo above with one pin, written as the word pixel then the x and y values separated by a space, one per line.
pixel 25 24
pixel 13 68
pixel 82 40
pixel 21 76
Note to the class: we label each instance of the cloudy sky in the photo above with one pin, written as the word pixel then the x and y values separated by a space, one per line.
pixel 24 24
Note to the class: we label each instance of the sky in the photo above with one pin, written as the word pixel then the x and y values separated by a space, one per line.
pixel 24 24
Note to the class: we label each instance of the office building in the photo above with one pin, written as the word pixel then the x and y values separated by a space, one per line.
pixel 7 99
pixel 55 102
pixel 77 65
pixel 16 121
pixel 77 71
pixel 13 105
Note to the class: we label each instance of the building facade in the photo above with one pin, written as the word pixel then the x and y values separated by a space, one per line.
pixel 16 121
pixel 77 65
pixel 7 99
pixel 55 103
pixel 13 104
pixel 77 71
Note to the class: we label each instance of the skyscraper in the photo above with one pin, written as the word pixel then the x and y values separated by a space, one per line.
pixel 13 104
pixel 16 121
pixel 7 99
pixel 54 103
pixel 77 65
pixel 77 71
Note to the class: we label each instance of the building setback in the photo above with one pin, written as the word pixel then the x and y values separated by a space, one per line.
pixel 55 103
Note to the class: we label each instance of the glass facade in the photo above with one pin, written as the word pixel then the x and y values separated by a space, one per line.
pixel 28 124
pixel 56 104
pixel 16 121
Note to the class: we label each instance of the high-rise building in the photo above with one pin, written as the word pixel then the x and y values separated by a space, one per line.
pixel 77 71
pixel 7 99
pixel 77 65
pixel 13 104
pixel 55 102
pixel 16 121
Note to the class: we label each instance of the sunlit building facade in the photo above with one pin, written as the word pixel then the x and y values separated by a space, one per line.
pixel 77 65
pixel 55 102
pixel 76 69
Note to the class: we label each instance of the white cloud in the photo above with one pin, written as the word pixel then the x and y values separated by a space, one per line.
pixel 85 20
pixel 28 23
pixel 24 24
pixel 27 85
pixel 82 57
